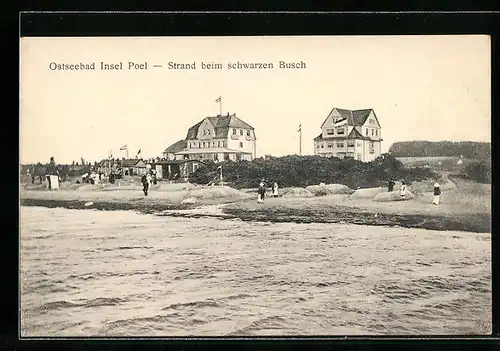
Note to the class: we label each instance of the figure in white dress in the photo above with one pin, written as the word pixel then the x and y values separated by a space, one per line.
pixel 275 189
pixel 402 191
pixel 437 194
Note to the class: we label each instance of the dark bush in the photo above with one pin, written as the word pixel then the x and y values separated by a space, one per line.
pixel 302 171
pixel 478 171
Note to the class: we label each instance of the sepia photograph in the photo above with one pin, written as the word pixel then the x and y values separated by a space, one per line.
pixel 255 186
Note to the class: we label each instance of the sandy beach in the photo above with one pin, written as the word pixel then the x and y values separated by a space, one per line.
pixel 466 207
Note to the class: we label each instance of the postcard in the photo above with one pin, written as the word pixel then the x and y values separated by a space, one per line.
pixel 255 186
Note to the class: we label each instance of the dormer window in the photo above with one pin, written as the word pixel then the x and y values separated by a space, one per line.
pixel 329 132
pixel 234 131
pixel 248 133
pixel 340 131
pixel 241 131
pixel 367 131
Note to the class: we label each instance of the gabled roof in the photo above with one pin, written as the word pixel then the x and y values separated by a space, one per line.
pixel 354 117
pixel 221 125
pixel 355 134
pixel 131 162
pixel 176 147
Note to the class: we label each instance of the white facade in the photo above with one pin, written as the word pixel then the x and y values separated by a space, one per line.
pixel 346 133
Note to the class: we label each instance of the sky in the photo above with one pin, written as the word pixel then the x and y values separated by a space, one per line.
pixel 420 87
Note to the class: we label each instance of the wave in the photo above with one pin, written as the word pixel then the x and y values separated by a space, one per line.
pixel 196 304
pixel 96 275
pixel 97 302
pixel 271 322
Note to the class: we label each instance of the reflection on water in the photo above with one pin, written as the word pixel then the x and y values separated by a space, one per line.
pixel 91 273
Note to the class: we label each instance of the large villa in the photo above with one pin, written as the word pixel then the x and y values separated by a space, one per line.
pixel 350 133
pixel 218 139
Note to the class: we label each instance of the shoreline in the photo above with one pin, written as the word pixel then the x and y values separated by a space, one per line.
pixel 281 213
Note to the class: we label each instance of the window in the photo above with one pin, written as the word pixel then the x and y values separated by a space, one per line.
pixel 340 131
pixel 218 144
pixel 241 131
pixel 371 121
pixel 376 132
pixel 248 133
pixel 373 131
pixel 241 144
pixel 330 146
pixel 224 143
pixel 350 143
pixel 329 131
pixel 203 144
pixel 322 145
pixel 234 131
pixel 366 131
pixel 371 144
pixel 340 144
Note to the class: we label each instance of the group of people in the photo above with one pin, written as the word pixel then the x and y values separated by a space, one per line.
pixel 261 192
pixel 403 191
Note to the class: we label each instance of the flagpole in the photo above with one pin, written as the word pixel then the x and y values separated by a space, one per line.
pixel 300 139
pixel 220 105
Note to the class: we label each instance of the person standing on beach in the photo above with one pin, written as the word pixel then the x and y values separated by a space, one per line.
pixel 437 193
pixel 402 191
pixel 390 187
pixel 275 189
pixel 261 191
pixel 145 184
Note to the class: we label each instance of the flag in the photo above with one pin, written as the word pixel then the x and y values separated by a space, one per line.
pixel 138 152
pixel 124 147
pixel 300 127
pixel 218 99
